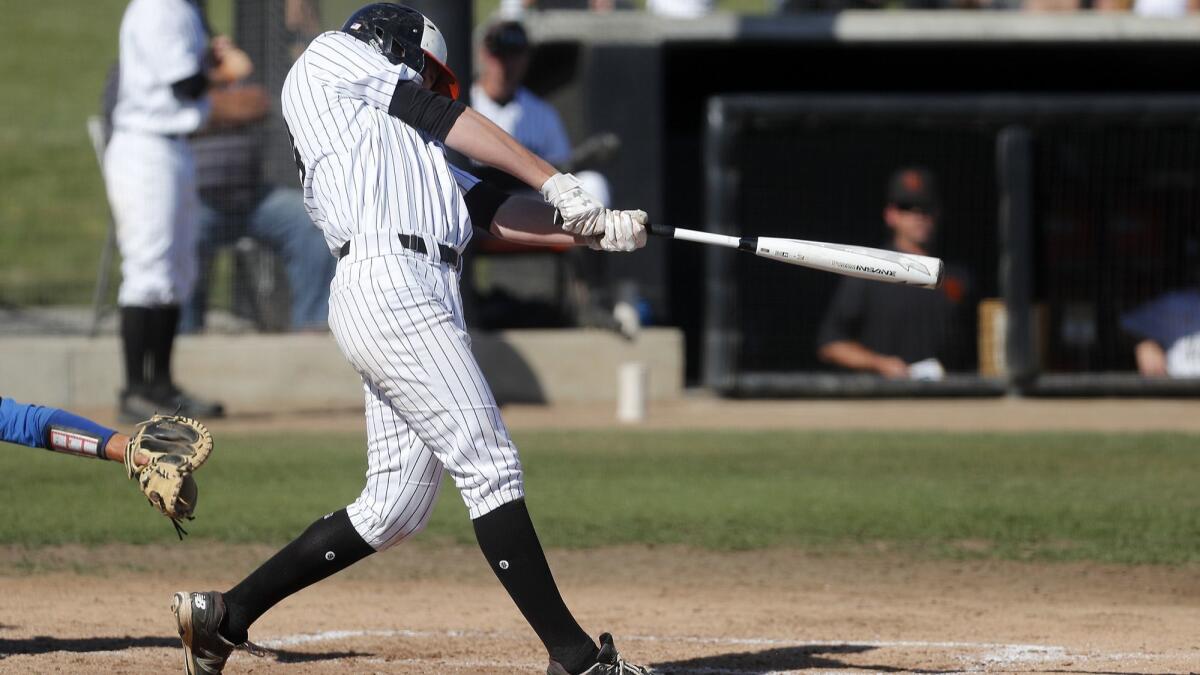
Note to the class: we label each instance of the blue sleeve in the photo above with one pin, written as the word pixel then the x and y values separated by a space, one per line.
pixel 24 424
pixel 28 425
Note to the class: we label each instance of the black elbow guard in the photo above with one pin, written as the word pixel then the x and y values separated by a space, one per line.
pixel 191 88
pixel 425 110
pixel 483 201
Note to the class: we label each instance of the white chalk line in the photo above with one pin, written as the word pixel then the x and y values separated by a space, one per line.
pixel 993 653
pixel 326 636
pixel 536 666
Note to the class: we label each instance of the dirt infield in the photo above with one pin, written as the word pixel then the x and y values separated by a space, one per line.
pixel 426 609
pixel 705 412
pixel 423 609
pixel 1000 414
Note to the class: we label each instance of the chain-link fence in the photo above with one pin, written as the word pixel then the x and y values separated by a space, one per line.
pixel 1069 227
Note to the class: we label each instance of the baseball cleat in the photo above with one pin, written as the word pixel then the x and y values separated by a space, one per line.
pixel 135 406
pixel 608 662
pixel 190 405
pixel 198 616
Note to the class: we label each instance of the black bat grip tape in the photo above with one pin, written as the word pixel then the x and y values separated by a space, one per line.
pixel 660 230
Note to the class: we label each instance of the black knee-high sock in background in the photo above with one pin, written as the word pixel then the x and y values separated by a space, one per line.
pixel 134 341
pixel 328 546
pixel 511 547
pixel 163 326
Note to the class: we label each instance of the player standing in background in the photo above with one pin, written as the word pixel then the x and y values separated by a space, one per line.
pixel 166 67
pixel 370 108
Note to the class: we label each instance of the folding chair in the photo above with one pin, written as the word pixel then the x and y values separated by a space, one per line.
pixel 96 132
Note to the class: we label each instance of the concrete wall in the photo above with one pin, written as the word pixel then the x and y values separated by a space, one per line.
pixel 264 373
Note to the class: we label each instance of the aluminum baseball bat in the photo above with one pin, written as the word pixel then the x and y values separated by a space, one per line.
pixel 852 261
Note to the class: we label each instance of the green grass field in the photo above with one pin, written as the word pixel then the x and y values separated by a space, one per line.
pixel 1110 498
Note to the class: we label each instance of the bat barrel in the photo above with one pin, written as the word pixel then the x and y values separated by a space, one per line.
pixel 855 261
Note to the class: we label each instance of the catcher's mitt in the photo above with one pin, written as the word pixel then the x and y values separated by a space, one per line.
pixel 169 448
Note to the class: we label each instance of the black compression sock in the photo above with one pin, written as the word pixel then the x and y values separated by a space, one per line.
pixel 328 546
pixel 163 326
pixel 511 547
pixel 134 340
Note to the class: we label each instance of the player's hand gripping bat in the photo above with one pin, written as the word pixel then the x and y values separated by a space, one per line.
pixel 851 261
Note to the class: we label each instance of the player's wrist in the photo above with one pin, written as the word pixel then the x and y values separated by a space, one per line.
pixel 114 450
pixel 555 188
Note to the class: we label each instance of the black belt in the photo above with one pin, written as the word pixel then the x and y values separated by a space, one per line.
pixel 414 243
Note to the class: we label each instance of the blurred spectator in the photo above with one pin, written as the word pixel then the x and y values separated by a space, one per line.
pixel 500 95
pixel 826 5
pixel 840 5
pixel 894 330
pixel 1164 8
pixel 680 9
pixel 1169 328
pixel 1153 8
pixel 514 9
pixel 236 202
pixel 1076 5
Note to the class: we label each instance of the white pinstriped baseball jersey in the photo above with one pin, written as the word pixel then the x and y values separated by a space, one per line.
pixel 362 169
pixel 396 313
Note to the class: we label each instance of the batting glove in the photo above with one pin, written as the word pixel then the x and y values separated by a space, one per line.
pixel 623 231
pixel 580 212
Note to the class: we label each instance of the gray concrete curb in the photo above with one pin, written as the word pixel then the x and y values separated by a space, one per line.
pixel 289 373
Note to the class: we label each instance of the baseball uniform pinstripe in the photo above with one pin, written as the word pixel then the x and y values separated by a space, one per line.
pixel 396 313
pixel 367 135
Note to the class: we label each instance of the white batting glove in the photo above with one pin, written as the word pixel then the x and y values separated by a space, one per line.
pixel 623 231
pixel 581 213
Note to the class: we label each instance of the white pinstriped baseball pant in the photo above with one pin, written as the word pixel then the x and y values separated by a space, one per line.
pixel 397 316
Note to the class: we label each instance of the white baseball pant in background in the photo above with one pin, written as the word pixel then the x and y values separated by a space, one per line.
pixel 151 182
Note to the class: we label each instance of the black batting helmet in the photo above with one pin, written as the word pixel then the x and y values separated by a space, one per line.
pixel 404 35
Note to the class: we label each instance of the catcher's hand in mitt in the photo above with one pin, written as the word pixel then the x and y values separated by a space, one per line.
pixel 161 456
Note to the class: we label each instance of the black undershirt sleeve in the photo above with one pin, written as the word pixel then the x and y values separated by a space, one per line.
pixel 425 110
pixel 483 201
pixel 191 88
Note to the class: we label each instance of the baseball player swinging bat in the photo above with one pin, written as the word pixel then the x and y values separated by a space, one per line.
pixel 852 261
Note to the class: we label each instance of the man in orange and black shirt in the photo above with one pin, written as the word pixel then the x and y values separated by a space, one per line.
pixel 887 328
